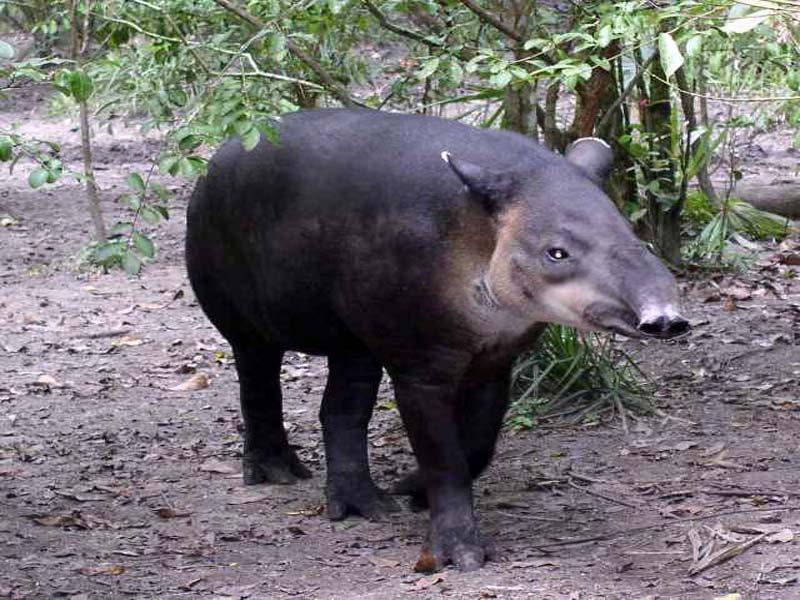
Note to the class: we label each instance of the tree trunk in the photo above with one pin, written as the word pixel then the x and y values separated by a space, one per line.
pixel 593 98
pixel 664 208
pixel 518 110
pixel 92 193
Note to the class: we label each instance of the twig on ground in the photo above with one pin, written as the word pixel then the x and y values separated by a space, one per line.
pixel 696 543
pixel 740 493
pixel 527 517
pixel 103 334
pixel 727 553
pixel 591 492
pixel 623 532
pixel 622 414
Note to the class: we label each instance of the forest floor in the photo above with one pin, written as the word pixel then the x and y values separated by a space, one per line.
pixel 113 484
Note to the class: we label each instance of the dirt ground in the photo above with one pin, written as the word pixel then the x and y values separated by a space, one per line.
pixel 115 485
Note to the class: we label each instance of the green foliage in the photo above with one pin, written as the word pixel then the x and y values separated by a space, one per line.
pixel 198 74
pixel 735 223
pixel 576 375
pixel 128 246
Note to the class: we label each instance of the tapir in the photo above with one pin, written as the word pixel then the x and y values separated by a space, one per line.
pixel 431 249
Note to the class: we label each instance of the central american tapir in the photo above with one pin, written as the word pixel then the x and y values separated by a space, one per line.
pixel 429 248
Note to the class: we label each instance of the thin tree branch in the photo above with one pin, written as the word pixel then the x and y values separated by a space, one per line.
pixel 337 89
pixel 409 33
pixel 493 20
pixel 177 29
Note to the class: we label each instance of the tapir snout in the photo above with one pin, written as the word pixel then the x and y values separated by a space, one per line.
pixel 663 323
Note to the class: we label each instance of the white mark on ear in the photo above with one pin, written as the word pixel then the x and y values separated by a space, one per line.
pixel 445 156
pixel 592 139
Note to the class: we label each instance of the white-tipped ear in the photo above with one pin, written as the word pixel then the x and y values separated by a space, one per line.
pixel 593 156
pixel 494 188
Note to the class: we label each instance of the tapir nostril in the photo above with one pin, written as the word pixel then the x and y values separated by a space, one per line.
pixel 677 327
pixel 653 327
pixel 664 327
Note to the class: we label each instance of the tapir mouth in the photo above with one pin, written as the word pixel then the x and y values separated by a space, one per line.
pixel 622 320
pixel 613 319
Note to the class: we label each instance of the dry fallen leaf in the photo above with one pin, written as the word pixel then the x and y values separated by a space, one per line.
pixel 198 381
pixel 167 512
pixel 127 340
pixel 425 582
pixel 380 561
pixel 50 382
pixel 213 465
pixel 54 520
pixel 103 570
pixel 782 537
pixel 714 449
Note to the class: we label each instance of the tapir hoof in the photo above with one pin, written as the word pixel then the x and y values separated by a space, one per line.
pixel 411 485
pixel 467 551
pixel 283 469
pixel 357 495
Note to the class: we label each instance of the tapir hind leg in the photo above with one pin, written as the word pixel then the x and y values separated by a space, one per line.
pixel 345 413
pixel 480 411
pixel 267 455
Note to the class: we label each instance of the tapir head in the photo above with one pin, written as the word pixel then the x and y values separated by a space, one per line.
pixel 564 254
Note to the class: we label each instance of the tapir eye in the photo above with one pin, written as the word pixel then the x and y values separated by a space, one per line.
pixel 557 254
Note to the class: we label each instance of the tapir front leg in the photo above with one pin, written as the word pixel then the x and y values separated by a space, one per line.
pixel 427 400
pixel 481 407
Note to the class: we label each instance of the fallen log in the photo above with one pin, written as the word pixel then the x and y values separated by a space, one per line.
pixel 780 197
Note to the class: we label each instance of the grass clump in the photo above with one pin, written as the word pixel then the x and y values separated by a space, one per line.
pixel 578 377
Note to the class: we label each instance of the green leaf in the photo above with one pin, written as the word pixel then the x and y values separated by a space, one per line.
pixel 162 210
pixel 186 168
pixel 149 214
pixel 694 46
pixel 144 244
pixel 131 263
pixel 120 228
pixel 159 190
pixel 107 252
pixel 669 53
pixel 429 68
pixel 38 177
pixel 6 50
pixel 80 86
pixel 793 80
pixel 744 24
pixel 136 183
pixel 250 138
pixel 189 142
pixel 6 148
pixel 198 164
pixel 169 165
pixel 177 97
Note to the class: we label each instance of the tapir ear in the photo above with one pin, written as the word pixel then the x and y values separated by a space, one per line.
pixel 593 156
pixel 492 187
